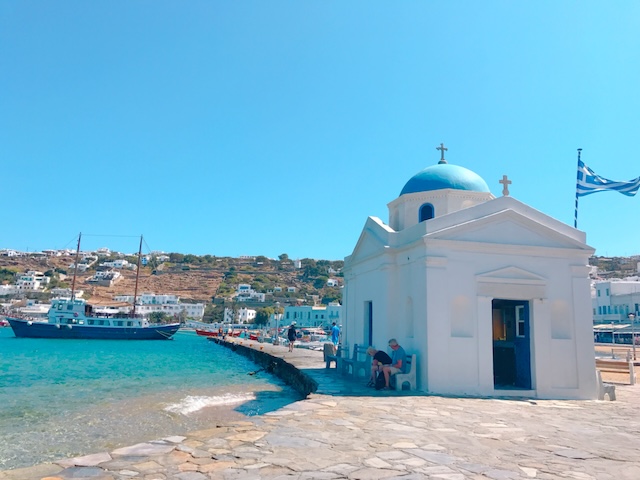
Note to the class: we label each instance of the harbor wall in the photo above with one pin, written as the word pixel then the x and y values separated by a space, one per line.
pixel 293 377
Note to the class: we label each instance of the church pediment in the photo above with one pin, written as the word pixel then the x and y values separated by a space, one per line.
pixel 507 227
pixel 510 274
pixel 372 239
pixel 511 282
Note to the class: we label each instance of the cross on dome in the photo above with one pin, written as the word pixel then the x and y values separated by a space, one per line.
pixel 442 149
pixel 505 185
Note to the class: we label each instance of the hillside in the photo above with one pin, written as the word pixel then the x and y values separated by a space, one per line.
pixel 192 278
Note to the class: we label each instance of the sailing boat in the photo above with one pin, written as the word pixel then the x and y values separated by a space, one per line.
pixel 75 318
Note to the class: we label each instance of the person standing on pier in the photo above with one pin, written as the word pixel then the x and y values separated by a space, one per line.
pixel 291 335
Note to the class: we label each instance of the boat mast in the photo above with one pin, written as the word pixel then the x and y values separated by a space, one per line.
pixel 135 292
pixel 75 271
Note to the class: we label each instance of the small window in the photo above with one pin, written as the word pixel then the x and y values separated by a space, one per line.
pixel 426 212
pixel 520 322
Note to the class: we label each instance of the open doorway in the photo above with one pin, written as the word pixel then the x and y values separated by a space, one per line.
pixel 368 322
pixel 511 344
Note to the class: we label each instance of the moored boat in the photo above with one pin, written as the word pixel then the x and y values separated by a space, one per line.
pixel 206 333
pixel 75 318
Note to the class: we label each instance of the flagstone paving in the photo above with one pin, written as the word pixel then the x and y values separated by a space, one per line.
pixel 348 431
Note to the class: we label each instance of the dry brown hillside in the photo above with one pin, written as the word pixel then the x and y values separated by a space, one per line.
pixel 192 284
pixel 200 279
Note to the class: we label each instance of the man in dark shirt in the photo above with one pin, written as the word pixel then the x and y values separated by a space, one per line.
pixel 291 335
pixel 380 358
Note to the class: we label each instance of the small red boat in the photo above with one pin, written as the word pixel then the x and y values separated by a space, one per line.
pixel 207 333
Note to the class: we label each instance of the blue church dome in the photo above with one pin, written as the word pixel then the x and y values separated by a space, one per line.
pixel 445 175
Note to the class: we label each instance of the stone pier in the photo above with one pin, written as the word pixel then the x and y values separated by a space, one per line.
pixel 343 430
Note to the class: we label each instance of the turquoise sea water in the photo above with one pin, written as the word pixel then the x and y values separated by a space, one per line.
pixel 62 398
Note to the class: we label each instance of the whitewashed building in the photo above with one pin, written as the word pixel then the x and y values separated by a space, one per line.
pixel 244 293
pixel 31 281
pixel 242 315
pixel 613 300
pixel 149 299
pixel 192 310
pixel 308 316
pixel 147 303
pixel 8 290
pixel 65 292
pixel 119 263
pixel 492 295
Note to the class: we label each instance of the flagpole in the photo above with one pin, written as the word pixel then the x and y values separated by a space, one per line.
pixel 575 217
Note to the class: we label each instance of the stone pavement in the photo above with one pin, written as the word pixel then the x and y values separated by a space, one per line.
pixel 347 431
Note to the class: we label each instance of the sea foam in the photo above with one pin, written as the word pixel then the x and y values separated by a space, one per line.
pixel 191 404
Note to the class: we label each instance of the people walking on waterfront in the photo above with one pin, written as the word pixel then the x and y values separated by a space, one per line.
pixel 335 334
pixel 291 335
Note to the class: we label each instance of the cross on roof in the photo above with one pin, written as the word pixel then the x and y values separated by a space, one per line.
pixel 442 149
pixel 505 185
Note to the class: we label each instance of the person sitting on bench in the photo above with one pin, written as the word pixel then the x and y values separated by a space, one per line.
pixel 398 362
pixel 380 359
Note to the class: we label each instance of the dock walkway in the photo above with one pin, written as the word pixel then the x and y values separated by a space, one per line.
pixel 347 431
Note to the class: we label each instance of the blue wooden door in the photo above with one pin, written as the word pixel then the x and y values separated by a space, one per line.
pixel 522 344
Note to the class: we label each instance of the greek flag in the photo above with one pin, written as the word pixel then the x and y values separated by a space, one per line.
pixel 588 182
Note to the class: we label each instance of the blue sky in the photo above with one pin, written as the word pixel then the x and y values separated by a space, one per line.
pixel 269 127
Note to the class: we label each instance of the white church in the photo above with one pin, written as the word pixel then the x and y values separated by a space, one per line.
pixel 490 294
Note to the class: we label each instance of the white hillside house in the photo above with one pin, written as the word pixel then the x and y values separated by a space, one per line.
pixel 32 281
pixel 119 264
pixel 147 303
pixel 242 315
pixel 244 293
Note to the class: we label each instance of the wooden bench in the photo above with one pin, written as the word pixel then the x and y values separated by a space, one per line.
pixel 617 366
pixel 358 361
pixel 331 354
pixel 409 377
pixel 617 353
